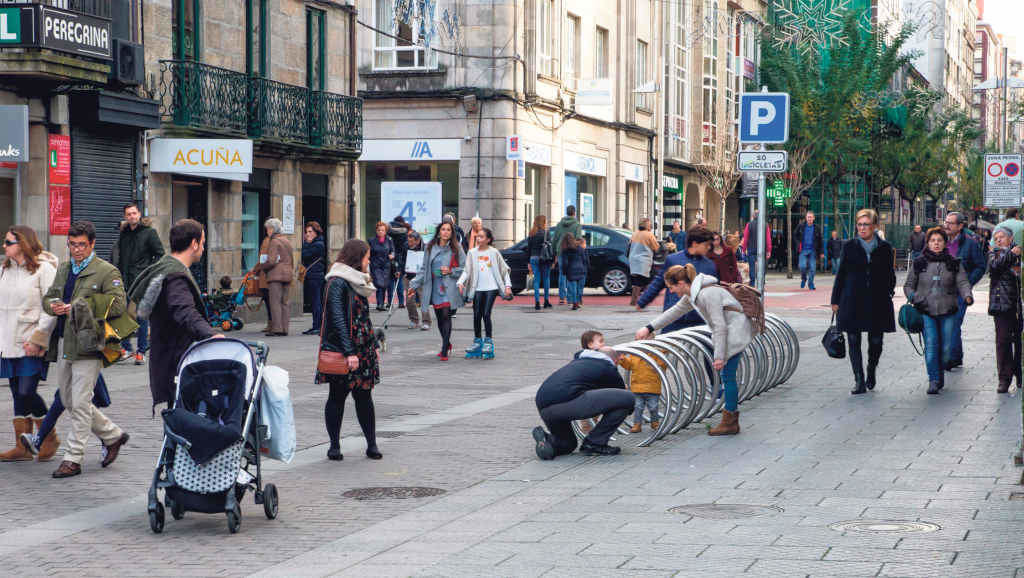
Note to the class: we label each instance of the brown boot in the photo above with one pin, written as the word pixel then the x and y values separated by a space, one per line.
pixel 729 426
pixel 633 295
pixel 50 445
pixel 655 425
pixel 636 428
pixel 18 454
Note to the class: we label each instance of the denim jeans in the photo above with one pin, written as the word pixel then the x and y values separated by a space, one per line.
pixel 142 336
pixel 957 352
pixel 729 386
pixel 939 335
pixel 808 262
pixel 541 275
pixel 648 400
pixel 835 265
pixel 752 261
pixel 574 290
pixel 562 289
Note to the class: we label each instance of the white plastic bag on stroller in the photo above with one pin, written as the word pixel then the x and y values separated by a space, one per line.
pixel 277 414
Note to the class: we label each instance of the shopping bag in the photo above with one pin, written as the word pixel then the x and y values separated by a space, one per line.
pixel 277 414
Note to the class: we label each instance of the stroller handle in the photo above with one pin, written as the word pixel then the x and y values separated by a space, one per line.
pixel 261 347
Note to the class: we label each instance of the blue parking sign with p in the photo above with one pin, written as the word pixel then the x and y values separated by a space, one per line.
pixel 764 117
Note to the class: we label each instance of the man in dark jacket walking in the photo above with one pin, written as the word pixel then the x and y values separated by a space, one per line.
pixel 586 387
pixel 917 239
pixel 835 250
pixel 810 247
pixel 398 230
pixel 138 246
pixel 972 259
pixel 698 243
pixel 168 296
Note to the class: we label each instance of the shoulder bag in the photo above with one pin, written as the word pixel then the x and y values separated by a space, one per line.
pixel 834 341
pixel 331 362
pixel 911 321
pixel 302 270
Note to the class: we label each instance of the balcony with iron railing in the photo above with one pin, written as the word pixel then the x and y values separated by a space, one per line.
pixel 211 100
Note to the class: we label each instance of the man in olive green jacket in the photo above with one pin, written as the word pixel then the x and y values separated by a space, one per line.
pixel 85 276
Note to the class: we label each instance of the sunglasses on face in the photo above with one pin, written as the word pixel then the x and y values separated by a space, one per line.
pixel 78 245
pixel 8 242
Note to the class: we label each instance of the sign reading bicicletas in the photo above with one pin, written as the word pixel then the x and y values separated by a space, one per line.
pixel 229 159
pixel 762 161
pixel 1002 181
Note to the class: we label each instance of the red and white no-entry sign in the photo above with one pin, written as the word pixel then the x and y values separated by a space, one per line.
pixel 1002 181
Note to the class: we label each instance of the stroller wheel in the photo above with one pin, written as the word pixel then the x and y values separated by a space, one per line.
pixel 270 501
pixel 235 519
pixel 156 519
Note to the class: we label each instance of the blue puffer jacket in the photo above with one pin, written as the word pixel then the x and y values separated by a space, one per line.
pixel 691 319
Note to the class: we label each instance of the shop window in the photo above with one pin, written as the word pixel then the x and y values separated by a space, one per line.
pixel 250 229
pixel 185 36
pixel 256 37
pixel 316 50
pixel 402 53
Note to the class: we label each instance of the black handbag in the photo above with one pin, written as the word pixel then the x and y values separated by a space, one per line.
pixel 834 341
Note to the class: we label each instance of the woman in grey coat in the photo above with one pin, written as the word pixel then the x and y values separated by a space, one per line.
pixel 933 284
pixel 443 262
pixel 731 331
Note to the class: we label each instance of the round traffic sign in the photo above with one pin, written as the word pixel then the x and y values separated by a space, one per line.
pixel 995 169
pixel 1011 169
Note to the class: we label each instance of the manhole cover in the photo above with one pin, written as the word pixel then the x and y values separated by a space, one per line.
pixel 725 511
pixel 393 493
pixel 885 527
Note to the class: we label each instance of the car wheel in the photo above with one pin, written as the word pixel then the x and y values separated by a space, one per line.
pixel 615 282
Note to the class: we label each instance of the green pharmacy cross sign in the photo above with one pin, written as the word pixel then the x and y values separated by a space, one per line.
pixel 778 192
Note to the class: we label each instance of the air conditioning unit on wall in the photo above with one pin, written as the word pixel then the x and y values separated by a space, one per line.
pixel 129 63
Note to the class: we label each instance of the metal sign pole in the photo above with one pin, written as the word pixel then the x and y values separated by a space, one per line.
pixel 761 225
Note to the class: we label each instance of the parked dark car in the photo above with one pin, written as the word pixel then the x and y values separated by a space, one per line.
pixel 607 248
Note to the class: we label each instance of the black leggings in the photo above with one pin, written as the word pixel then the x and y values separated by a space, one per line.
pixel 334 410
pixel 27 402
pixel 444 325
pixel 483 303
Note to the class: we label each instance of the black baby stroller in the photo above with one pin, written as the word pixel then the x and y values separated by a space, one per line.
pixel 213 435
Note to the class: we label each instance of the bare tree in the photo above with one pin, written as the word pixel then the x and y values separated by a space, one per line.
pixel 718 171
pixel 795 179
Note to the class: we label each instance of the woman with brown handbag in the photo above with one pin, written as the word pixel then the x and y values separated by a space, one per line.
pixel 347 357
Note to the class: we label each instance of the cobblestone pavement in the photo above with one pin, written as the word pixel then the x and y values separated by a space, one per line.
pixel 808 449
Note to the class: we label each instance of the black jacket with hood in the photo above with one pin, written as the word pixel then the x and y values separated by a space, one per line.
pixel 136 249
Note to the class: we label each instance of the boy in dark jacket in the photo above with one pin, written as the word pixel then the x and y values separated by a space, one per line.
pixel 587 386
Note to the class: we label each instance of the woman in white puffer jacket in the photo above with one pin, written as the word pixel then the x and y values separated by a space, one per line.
pixel 25 330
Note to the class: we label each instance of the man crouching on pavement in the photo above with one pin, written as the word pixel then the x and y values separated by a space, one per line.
pixel 588 386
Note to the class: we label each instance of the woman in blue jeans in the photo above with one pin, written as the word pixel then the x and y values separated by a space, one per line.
pixel 731 331
pixel 934 283
pixel 540 267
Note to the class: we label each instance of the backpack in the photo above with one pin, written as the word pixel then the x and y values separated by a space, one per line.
pixel 547 252
pixel 750 301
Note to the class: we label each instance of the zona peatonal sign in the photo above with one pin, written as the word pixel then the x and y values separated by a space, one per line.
pixel 62 30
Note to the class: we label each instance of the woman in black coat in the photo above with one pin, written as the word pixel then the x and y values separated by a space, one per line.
pixel 314 259
pixel 862 295
pixel 349 331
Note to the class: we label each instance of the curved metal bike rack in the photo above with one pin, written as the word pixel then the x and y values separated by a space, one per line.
pixel 691 389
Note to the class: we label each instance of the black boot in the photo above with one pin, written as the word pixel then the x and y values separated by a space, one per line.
pixel 934 387
pixel 870 381
pixel 859 385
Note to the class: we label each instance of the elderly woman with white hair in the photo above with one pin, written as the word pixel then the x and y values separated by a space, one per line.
pixel 1004 306
pixel 278 266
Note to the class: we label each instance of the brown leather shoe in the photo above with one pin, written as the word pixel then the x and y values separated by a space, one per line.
pixel 67 469
pixel 636 428
pixel 113 449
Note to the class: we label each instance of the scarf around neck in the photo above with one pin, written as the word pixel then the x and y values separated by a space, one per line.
pixel 360 282
pixel 77 268
pixel 927 256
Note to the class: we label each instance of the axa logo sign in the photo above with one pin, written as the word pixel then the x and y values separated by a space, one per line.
pixel 421 150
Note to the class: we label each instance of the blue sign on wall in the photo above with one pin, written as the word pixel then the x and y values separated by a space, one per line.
pixel 764 117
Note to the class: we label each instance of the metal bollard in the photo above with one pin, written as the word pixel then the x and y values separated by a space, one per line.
pixel 691 388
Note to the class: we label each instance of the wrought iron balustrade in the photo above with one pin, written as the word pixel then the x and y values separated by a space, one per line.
pixel 201 96
pixel 336 121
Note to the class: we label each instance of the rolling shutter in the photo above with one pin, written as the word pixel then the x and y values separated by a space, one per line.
pixel 102 181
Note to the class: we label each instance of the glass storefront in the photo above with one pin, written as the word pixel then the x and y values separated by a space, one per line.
pixel 585 192
pixel 374 173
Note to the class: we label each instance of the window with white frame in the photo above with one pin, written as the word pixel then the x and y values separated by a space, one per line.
pixel 547 38
pixel 731 77
pixel 641 73
pixel 679 107
pixel 709 90
pixel 572 52
pixel 601 53
pixel 403 53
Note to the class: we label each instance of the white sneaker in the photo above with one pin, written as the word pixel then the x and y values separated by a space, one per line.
pixel 425 327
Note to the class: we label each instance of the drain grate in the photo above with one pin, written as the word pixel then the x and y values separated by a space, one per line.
pixel 393 493
pixel 885 527
pixel 725 511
